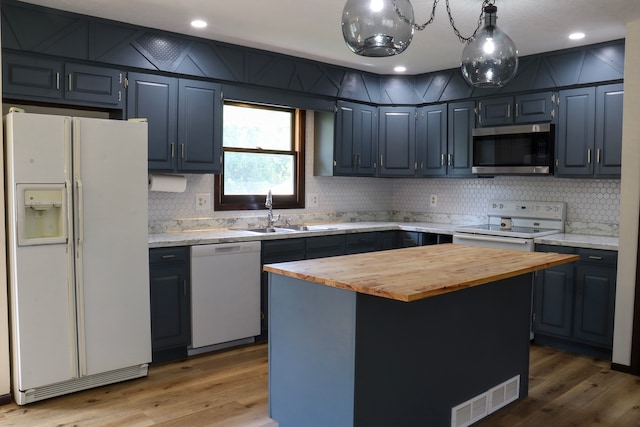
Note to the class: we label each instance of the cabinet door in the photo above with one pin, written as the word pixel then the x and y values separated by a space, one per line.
pixel 361 243
pixel 431 140
pixel 535 107
pixel 199 127
pixel 496 111
pixel 356 139
pixel 156 99
pixel 595 297
pixel 553 300
pixel 461 121
pixel 397 141
pixel 609 130
pixel 29 76
pixel 275 251
pixel 387 240
pixel 325 246
pixel 575 133
pixel 99 85
pixel 170 302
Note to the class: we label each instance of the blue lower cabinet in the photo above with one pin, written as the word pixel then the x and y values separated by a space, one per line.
pixel 170 293
pixel 574 304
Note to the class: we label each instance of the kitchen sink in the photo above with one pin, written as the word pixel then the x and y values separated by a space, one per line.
pixel 295 227
pixel 267 230
pixel 288 229
pixel 307 227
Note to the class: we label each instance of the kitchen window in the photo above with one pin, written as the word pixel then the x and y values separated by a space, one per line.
pixel 263 149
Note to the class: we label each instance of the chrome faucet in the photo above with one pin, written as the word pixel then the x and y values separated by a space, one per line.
pixel 269 205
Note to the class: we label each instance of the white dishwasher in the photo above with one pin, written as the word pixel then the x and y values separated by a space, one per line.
pixel 225 295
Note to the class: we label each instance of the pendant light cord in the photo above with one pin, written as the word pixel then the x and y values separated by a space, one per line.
pixel 421 27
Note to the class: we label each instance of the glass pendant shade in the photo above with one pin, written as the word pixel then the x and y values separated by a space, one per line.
pixel 377 27
pixel 490 59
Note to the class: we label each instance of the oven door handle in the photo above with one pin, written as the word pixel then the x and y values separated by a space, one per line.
pixel 513 240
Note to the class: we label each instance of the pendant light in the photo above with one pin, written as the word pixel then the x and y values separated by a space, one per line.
pixel 490 58
pixel 377 28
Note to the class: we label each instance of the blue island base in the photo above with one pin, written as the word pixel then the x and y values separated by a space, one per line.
pixel 344 359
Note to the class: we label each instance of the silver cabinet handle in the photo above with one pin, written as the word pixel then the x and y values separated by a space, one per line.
pixel 172 151
pixel 381 164
pixel 57 81
pixel 508 110
pixel 450 161
pixel 517 110
pixel 589 156
pixel 442 159
pixel 182 151
pixel 597 258
pixel 598 155
pixel 168 256
pixel 70 83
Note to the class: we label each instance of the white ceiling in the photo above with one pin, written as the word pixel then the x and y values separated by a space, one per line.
pixel 311 29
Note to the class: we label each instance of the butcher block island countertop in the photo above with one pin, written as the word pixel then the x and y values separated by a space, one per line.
pixel 413 274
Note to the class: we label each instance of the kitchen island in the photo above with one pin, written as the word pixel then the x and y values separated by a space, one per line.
pixel 426 336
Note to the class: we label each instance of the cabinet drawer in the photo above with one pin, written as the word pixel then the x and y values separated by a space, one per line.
pixel 178 254
pixel 598 257
pixel 283 250
pixel 556 249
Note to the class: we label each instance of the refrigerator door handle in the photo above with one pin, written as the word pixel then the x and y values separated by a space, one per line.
pixel 69 189
pixel 80 210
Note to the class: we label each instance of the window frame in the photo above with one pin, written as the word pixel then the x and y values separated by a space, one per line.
pixel 224 202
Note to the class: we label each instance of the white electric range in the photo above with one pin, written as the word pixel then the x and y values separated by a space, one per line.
pixel 514 225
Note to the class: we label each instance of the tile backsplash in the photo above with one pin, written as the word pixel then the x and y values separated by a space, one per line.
pixel 592 205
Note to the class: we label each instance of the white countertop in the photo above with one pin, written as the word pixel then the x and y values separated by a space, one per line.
pixel 580 241
pixel 211 236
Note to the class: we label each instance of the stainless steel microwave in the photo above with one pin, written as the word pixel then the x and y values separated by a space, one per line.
pixel 514 150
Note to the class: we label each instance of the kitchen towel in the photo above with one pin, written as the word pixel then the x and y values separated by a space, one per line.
pixel 169 183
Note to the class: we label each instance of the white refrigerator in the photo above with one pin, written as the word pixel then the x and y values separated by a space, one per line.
pixel 77 253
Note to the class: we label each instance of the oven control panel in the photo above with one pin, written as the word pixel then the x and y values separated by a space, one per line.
pixel 527 209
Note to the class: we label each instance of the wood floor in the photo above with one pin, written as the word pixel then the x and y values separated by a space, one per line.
pixel 229 388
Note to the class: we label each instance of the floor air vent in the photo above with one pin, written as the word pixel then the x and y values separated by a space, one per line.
pixel 490 401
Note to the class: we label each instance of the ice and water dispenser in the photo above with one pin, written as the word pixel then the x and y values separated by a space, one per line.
pixel 42 214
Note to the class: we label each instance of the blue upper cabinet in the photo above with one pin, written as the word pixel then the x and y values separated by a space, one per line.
pixel 526 108
pixel 431 140
pixel 156 99
pixel 356 139
pixel 184 119
pixel 199 126
pixel 589 133
pixel 397 141
pixel 576 132
pixel 608 144
pixel 461 121
pixel 37 78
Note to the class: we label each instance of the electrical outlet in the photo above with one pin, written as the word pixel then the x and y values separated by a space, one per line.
pixel 312 200
pixel 433 200
pixel 203 201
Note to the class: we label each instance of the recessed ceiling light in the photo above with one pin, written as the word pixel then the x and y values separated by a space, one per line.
pixel 198 23
pixel 400 69
pixel 576 36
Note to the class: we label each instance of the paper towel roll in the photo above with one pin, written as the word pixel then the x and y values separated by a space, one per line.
pixel 170 183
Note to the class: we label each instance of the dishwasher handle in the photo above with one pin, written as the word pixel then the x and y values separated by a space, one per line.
pixel 224 248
